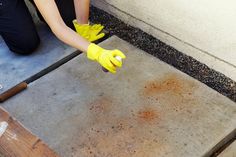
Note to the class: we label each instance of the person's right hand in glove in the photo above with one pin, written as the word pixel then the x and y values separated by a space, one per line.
pixel 107 58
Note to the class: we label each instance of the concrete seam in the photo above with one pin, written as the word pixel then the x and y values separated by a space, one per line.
pixel 221 145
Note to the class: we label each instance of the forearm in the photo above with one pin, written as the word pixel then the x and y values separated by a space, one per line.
pixel 69 37
pixel 52 16
pixel 82 10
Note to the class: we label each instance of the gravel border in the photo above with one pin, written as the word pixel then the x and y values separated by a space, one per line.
pixel 166 53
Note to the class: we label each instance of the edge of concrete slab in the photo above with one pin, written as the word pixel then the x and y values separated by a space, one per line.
pixel 187 64
pixel 230 151
pixel 15 90
pixel 52 67
pixel 222 145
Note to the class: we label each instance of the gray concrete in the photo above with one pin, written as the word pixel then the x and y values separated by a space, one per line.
pixel 229 151
pixel 15 68
pixel 147 109
pixel 201 29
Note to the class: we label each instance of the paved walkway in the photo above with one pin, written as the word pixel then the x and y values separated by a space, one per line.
pixel 147 109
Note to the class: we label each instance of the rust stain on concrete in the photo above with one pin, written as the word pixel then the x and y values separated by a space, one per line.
pixel 147 115
pixel 115 131
pixel 170 83
pixel 172 89
pixel 118 131
pixel 118 140
pixel 101 105
pixel 117 134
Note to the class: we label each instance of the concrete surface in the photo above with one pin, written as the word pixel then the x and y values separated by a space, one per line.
pixel 165 53
pixel 15 68
pixel 230 151
pixel 147 109
pixel 201 29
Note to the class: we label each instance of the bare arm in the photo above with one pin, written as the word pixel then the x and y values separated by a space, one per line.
pixel 49 11
pixel 82 10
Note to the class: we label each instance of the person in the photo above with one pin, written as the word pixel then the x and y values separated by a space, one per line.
pixel 62 16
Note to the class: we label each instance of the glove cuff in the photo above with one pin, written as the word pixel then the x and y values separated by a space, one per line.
pixel 94 51
pixel 75 22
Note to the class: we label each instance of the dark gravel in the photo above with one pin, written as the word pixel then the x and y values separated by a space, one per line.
pixel 166 53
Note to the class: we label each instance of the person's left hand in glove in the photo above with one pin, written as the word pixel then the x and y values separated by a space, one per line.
pixel 89 32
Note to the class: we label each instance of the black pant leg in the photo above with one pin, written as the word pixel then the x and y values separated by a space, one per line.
pixel 66 9
pixel 17 27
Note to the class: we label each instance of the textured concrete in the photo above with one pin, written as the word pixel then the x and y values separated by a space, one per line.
pixel 201 29
pixel 15 68
pixel 166 53
pixel 147 109
pixel 230 151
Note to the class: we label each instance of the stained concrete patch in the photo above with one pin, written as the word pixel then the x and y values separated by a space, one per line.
pixel 16 68
pixel 147 109
pixel 230 151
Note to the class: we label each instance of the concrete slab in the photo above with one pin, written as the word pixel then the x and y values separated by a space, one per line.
pixel 15 68
pixel 229 151
pixel 147 109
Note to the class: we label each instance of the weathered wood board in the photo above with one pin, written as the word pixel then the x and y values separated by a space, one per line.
pixel 16 141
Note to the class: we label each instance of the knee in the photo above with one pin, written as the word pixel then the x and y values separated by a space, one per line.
pixel 26 47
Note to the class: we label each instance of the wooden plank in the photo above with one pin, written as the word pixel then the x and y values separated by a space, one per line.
pixel 16 141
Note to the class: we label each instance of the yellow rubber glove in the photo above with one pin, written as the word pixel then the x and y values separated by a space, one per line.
pixel 89 32
pixel 105 57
